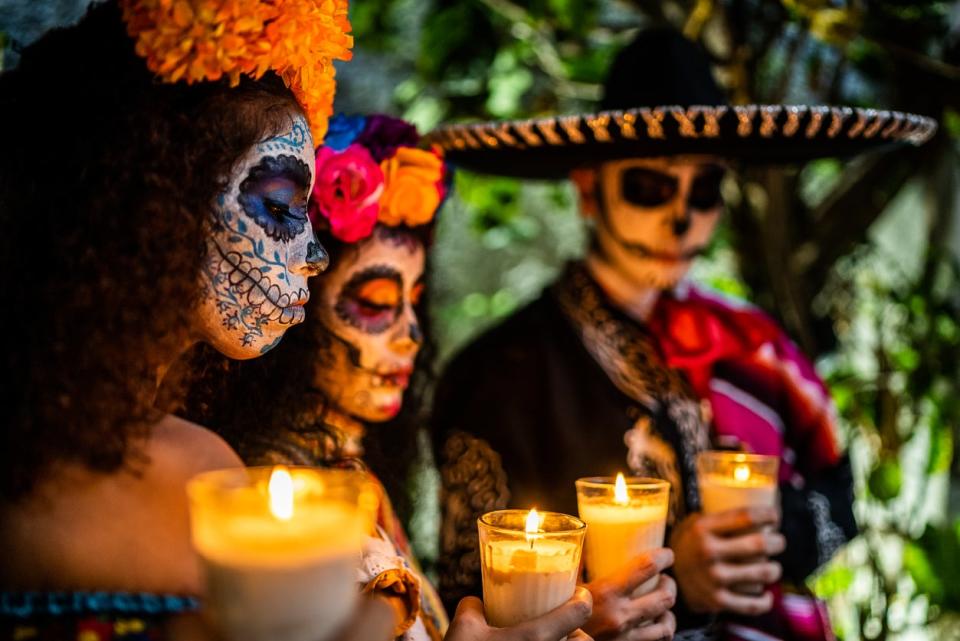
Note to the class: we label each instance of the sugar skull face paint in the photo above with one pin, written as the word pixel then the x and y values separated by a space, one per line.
pixel 262 249
pixel 366 310
pixel 657 215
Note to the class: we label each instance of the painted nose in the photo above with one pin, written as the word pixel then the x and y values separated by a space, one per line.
pixel 317 258
pixel 416 334
pixel 410 341
pixel 681 225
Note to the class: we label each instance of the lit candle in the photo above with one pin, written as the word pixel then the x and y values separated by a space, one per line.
pixel 732 480
pixel 280 549
pixel 530 562
pixel 625 517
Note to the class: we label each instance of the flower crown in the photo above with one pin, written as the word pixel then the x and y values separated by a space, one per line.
pixel 205 40
pixel 368 171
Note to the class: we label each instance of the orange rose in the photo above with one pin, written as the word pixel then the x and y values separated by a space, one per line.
pixel 412 187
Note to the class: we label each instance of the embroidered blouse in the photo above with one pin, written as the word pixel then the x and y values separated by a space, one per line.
pixel 88 616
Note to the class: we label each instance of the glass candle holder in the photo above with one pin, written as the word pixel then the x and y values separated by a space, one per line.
pixel 626 517
pixel 733 480
pixel 529 563
pixel 280 548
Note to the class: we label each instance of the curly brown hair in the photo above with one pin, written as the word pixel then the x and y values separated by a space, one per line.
pixel 107 182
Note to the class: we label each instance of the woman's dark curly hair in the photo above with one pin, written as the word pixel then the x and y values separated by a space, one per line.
pixel 241 399
pixel 107 179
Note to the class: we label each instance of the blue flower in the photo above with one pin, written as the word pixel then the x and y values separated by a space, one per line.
pixel 343 130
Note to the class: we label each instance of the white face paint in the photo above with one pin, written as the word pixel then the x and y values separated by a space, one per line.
pixel 656 215
pixel 365 304
pixel 262 249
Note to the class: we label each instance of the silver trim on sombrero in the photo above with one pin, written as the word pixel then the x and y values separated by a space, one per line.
pixel 633 124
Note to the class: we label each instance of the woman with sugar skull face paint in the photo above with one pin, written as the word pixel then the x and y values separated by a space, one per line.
pixel 357 361
pixel 160 200
pixel 621 365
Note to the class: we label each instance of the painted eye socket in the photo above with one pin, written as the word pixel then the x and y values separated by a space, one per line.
pixel 277 209
pixel 274 195
pixel 378 295
pixel 647 187
pixel 705 189
pixel 416 294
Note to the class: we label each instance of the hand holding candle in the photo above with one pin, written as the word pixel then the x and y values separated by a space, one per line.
pixel 562 623
pixel 723 554
pixel 732 480
pixel 529 563
pixel 625 519
pixel 280 549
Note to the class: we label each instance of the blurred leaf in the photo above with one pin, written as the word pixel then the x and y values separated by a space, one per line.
pixel 885 480
pixel 922 570
pixel 933 563
pixel 951 122
pixel 835 26
pixel 905 358
pixel 941 450
pixel 835 580
pixel 508 82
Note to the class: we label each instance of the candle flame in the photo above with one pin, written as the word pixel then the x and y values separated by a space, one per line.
pixel 620 491
pixel 533 521
pixel 741 473
pixel 280 489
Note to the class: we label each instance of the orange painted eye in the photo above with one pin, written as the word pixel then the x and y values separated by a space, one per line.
pixel 381 293
pixel 416 294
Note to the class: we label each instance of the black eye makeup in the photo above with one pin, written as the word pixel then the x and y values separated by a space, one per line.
pixel 372 299
pixel 645 187
pixel 705 189
pixel 274 195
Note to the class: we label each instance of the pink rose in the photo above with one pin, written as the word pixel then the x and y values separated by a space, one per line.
pixel 347 191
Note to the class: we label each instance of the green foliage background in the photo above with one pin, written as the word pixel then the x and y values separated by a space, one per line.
pixel 857 259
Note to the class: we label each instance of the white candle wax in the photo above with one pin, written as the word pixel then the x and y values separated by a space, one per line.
pixel 618 533
pixel 719 492
pixel 279 566
pixel 292 580
pixel 523 581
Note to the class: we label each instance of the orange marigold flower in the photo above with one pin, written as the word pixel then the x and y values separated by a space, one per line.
pixel 412 187
pixel 206 40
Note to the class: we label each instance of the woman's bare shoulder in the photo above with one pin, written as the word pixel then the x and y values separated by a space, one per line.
pixel 189 446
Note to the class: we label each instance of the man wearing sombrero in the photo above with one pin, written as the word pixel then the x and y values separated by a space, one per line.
pixel 621 364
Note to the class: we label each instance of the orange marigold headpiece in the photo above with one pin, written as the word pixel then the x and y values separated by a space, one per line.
pixel 198 40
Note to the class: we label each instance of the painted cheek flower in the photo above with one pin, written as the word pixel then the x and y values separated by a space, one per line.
pixel 347 192
pixel 413 188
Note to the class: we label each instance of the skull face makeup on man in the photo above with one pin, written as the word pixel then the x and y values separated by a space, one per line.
pixel 366 308
pixel 262 249
pixel 654 216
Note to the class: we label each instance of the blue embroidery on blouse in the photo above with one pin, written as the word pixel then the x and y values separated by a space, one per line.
pixel 22 605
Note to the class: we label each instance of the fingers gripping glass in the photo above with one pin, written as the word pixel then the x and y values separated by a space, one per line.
pixel 645 187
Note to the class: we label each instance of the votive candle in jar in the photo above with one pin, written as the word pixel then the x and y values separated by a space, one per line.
pixel 280 548
pixel 529 562
pixel 625 518
pixel 733 480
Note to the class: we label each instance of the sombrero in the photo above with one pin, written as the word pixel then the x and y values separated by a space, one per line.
pixel 660 99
